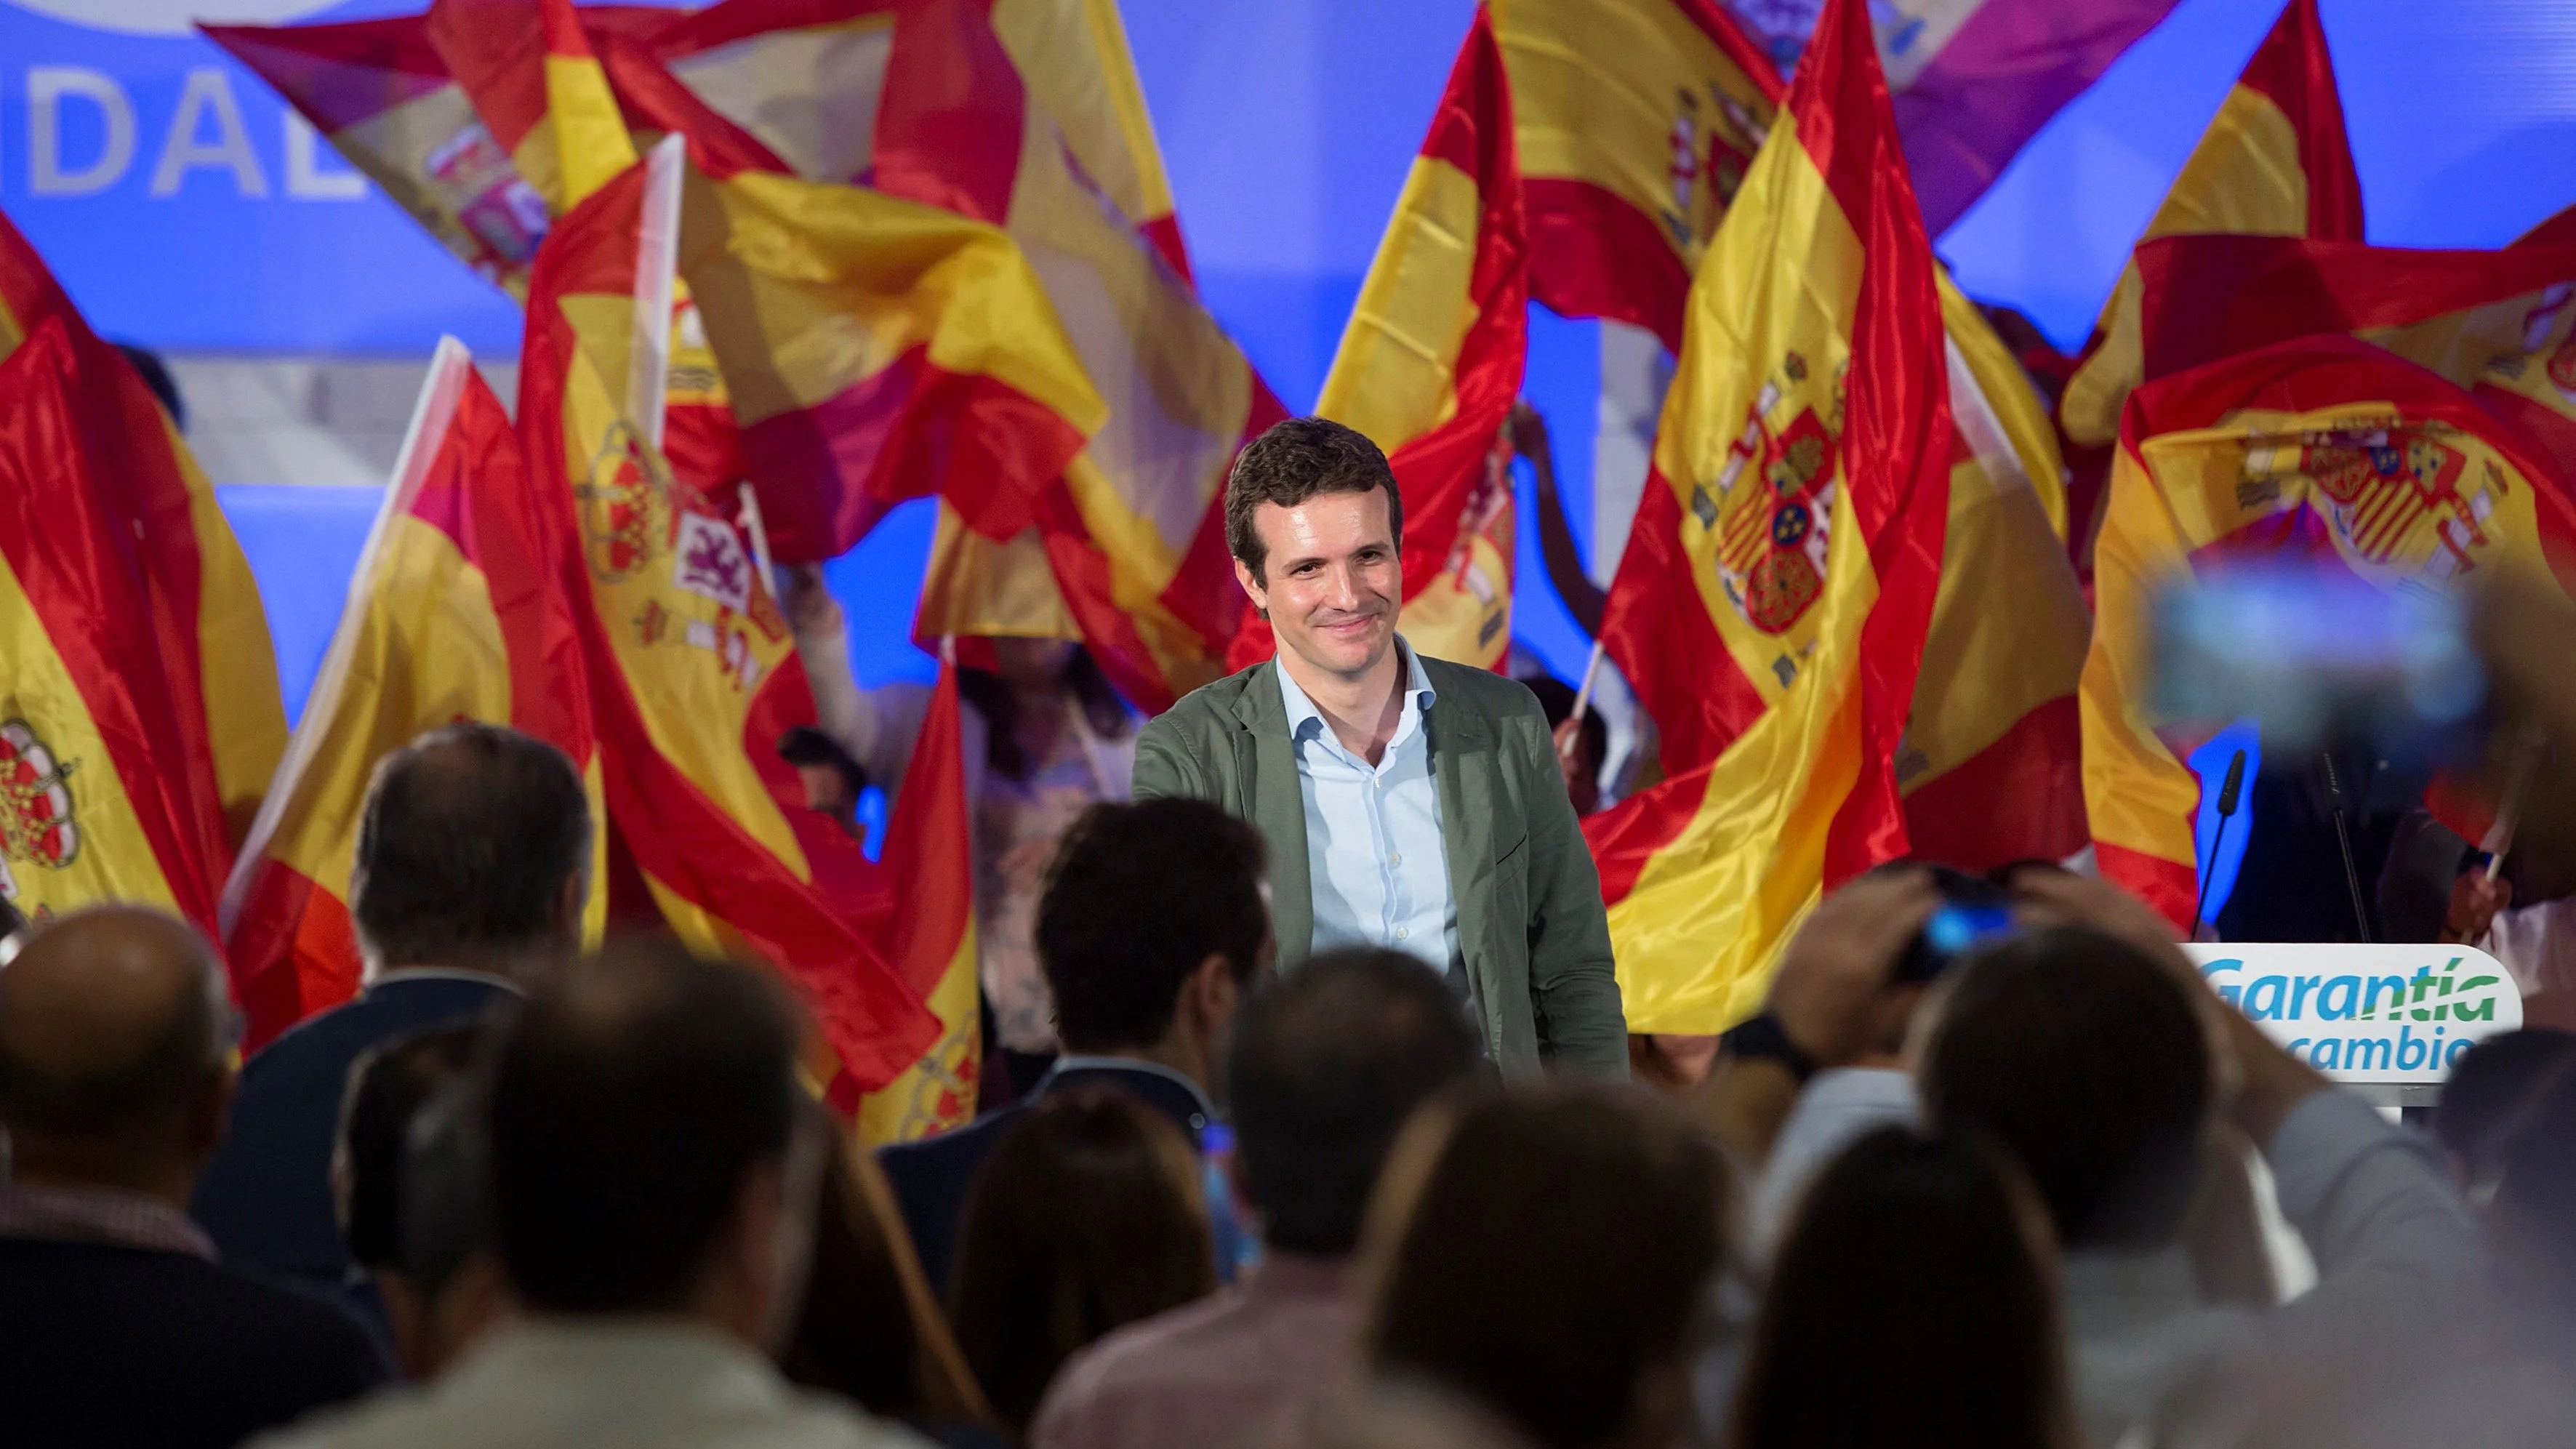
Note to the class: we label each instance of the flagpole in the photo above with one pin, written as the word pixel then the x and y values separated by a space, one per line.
pixel 1583 694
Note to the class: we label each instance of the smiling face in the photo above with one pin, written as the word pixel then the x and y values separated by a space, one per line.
pixel 1331 579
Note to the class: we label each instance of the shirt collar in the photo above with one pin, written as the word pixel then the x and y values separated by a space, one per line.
pixel 100 1215
pixel 1301 708
pixel 1077 1062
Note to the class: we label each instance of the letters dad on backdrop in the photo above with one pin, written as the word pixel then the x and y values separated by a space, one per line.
pixel 2367 1014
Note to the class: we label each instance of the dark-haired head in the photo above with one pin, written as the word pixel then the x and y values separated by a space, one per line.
pixel 1151 924
pixel 1086 1217
pixel 414 1217
pixel 388 1087
pixel 870 1330
pixel 1914 1303
pixel 653 1149
pixel 473 851
pixel 1293 461
pixel 2493 1090
pixel 1326 1066
pixel 2090 1062
pixel 1549 1252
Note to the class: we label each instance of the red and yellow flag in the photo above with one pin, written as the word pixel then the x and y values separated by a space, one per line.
pixel 208 625
pixel 1123 543
pixel 1788 550
pixel 2211 297
pixel 2326 450
pixel 931 868
pixel 1990 765
pixel 1431 360
pixel 693 674
pixel 105 791
pixel 1134 539
pixel 2274 162
pixel 2532 384
pixel 384 93
pixel 456 612
pixel 1636 122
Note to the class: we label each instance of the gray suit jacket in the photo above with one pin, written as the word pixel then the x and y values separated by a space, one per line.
pixel 1530 922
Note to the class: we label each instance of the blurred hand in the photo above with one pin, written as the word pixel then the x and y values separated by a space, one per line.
pixel 1836 988
pixel 2043 898
pixel 2474 903
pixel 1569 745
pixel 1528 431
pixel 808 604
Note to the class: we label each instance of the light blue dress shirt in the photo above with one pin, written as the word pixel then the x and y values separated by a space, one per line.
pixel 1374 853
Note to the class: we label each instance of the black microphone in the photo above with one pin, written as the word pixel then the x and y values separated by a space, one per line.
pixel 2343 842
pixel 2227 793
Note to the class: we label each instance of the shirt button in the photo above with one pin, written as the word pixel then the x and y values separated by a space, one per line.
pixel 1399 933
pixel 1395 857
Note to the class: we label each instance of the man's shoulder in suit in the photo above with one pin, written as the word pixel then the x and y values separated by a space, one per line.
pixel 265 1198
pixel 122 1342
pixel 1498 697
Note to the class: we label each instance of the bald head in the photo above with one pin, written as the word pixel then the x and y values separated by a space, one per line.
pixel 114 1033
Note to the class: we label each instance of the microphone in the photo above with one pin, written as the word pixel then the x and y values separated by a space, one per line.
pixel 2343 841
pixel 2228 790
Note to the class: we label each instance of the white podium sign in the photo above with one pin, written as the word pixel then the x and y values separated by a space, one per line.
pixel 2366 1014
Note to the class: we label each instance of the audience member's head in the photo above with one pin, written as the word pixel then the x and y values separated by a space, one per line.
pixel 1913 1304
pixel 474 852
pixel 2090 1062
pixel 115 1044
pixel 1550 1253
pixel 2492 1091
pixel 652 1149
pixel 1152 929
pixel 870 1330
pixel 2534 1233
pixel 1086 1217
pixel 1326 1067
pixel 436 1306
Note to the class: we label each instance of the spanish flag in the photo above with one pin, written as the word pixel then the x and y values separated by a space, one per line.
pixel 1134 538
pixel 2206 298
pixel 1789 545
pixel 693 674
pixel 1990 763
pixel 1636 122
pixel 1431 360
pixel 2326 450
pixel 104 784
pixel 2273 162
pixel 1123 545
pixel 2533 383
pixel 931 868
pixel 398 99
pixel 208 625
pixel 457 612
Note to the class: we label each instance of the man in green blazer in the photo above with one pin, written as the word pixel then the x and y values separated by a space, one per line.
pixel 1408 803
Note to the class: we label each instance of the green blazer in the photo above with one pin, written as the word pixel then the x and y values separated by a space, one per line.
pixel 1530 922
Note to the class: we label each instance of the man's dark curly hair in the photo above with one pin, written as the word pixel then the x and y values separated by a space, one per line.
pixel 1296 460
